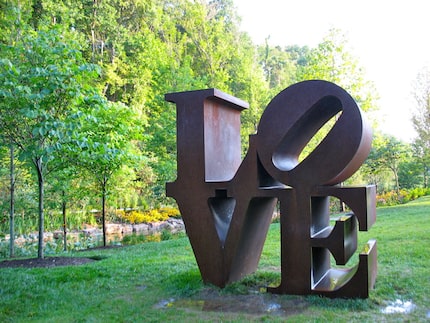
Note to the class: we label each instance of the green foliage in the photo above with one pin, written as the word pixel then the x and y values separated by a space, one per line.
pixel 279 67
pixel 104 67
pixel 391 198
pixel 43 80
pixel 332 60
pixel 133 239
pixel 390 156
pixel 417 193
pixel 105 142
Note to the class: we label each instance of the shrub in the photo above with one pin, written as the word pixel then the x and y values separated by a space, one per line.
pixel 133 239
pixel 172 212
pixel 392 198
pixel 165 235
pixel 155 215
pixel 156 237
pixel 416 193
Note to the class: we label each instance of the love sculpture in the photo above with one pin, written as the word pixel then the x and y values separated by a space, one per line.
pixel 227 204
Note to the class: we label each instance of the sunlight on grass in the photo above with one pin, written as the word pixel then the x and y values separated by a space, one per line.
pixel 126 284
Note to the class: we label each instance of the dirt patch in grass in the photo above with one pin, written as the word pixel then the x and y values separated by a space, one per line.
pixel 49 262
pixel 45 262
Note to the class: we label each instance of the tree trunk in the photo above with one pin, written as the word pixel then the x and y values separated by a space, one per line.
pixel 36 14
pixel 93 27
pixel 104 211
pixel 12 205
pixel 64 222
pixel 341 203
pixel 396 178
pixel 39 169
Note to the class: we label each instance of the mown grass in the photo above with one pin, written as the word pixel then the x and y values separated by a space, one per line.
pixel 160 282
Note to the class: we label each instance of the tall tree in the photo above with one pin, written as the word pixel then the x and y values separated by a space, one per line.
pixel 388 153
pixel 421 121
pixel 279 68
pixel 147 48
pixel 332 60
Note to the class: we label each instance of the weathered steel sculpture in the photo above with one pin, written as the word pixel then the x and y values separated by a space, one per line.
pixel 227 204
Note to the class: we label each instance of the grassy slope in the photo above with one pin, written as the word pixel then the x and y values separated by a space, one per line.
pixel 129 282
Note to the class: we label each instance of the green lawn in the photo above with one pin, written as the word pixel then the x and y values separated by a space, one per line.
pixel 160 282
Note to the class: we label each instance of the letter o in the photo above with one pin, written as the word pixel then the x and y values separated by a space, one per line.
pixel 290 121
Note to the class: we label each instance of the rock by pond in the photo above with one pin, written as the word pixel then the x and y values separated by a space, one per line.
pixel 115 232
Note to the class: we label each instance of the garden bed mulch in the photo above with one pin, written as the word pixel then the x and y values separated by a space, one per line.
pixel 49 262
pixel 45 262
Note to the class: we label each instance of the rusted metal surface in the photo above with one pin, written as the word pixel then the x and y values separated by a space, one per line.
pixel 227 203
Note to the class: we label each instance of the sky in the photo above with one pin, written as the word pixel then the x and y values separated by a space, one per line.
pixel 390 40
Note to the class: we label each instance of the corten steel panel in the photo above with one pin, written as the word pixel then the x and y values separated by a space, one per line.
pixel 294 116
pixel 221 141
pixel 226 228
pixel 227 204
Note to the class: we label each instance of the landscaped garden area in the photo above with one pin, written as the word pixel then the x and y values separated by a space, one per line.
pixel 160 282
pixel 88 143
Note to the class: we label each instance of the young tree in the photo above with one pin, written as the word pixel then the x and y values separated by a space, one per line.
pixel 11 26
pixel 62 179
pixel 106 144
pixel 12 203
pixel 43 78
pixel 11 190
